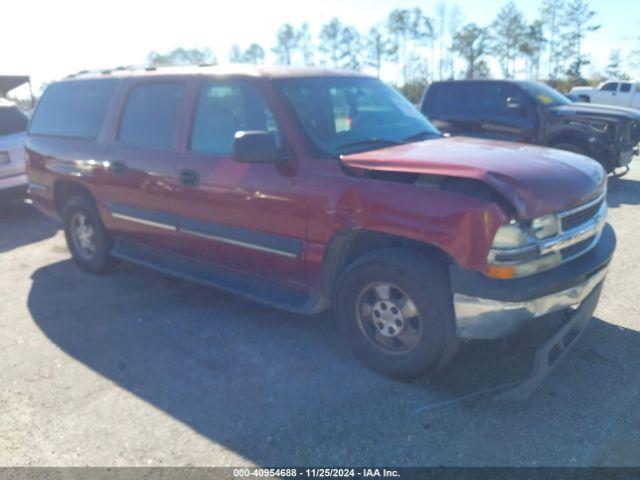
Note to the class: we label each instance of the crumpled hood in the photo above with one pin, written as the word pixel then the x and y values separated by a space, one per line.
pixel 536 180
pixel 597 110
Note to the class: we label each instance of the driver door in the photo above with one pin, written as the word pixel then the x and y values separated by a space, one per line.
pixel 239 216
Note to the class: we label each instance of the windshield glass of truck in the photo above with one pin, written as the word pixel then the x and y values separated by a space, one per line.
pixel 353 114
pixel 544 95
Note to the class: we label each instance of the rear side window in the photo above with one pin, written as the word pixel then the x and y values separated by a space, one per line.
pixel 12 120
pixel 447 99
pixel 224 108
pixel 74 109
pixel 150 115
pixel 625 87
pixel 473 98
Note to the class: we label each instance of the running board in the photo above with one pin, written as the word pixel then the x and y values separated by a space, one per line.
pixel 267 293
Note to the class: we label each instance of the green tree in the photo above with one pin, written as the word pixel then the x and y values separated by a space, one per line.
pixel 254 54
pixel 377 48
pixel 350 48
pixel 399 27
pixel 471 44
pixel 579 22
pixel 531 48
pixel 330 42
pixel 614 66
pixel 305 44
pixel 182 56
pixel 553 21
pixel 286 44
pixel 508 29
pixel 236 55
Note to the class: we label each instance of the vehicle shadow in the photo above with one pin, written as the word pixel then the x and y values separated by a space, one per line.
pixel 623 191
pixel 282 389
pixel 21 224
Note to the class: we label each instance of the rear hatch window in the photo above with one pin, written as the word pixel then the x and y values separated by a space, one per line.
pixel 73 109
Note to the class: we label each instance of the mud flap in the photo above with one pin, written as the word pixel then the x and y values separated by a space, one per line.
pixel 552 351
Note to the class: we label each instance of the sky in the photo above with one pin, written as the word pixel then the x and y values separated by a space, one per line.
pixel 51 39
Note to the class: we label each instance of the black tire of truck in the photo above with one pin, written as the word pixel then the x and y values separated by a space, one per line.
pixel 426 341
pixel 87 238
pixel 572 147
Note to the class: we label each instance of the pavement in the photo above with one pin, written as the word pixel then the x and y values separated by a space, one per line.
pixel 139 369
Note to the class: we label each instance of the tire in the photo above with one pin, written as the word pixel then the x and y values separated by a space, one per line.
pixel 428 340
pixel 90 246
pixel 570 147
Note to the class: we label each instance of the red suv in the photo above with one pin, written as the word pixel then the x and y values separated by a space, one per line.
pixel 308 188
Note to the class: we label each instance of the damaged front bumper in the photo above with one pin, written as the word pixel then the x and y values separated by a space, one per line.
pixel 483 318
pixel 488 308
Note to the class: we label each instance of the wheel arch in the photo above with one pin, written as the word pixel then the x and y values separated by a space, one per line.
pixel 64 189
pixel 571 137
pixel 348 245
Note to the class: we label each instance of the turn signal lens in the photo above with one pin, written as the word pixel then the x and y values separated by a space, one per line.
pixel 501 273
pixel 505 272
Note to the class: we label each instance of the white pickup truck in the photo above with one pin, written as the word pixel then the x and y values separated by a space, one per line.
pixel 613 92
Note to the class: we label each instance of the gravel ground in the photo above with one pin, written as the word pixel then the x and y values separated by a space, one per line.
pixel 136 368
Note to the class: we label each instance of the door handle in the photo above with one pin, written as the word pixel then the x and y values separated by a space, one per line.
pixel 190 178
pixel 117 168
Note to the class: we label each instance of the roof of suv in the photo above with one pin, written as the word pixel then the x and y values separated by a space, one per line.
pixel 280 71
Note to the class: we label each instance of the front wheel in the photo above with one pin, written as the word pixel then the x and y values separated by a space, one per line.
pixel 87 239
pixel 395 309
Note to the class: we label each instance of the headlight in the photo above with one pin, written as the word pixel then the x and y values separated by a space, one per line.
pixel 545 227
pixel 511 235
pixel 515 251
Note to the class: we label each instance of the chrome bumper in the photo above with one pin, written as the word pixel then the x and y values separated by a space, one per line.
pixel 483 318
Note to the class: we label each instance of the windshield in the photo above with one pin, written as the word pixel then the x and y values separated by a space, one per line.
pixel 544 95
pixel 354 114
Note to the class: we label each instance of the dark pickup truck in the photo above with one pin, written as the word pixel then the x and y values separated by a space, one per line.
pixel 306 189
pixel 532 112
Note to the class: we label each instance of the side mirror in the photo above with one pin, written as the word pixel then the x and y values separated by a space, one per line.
pixel 521 109
pixel 255 147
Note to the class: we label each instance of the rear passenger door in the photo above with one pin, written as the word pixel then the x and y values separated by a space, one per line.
pixel 142 166
pixel 239 216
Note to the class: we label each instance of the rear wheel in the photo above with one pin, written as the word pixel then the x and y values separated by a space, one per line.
pixel 394 307
pixel 87 239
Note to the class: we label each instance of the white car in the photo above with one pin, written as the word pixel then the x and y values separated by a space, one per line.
pixel 613 92
pixel 13 124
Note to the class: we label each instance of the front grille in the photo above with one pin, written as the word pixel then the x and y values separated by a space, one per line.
pixel 581 216
pixel 576 249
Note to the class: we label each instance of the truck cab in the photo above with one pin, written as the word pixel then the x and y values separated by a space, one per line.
pixel 531 112
pixel 621 93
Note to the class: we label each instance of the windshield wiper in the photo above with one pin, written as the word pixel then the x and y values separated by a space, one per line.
pixel 422 135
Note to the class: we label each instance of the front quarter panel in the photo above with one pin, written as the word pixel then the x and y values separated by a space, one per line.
pixel 460 225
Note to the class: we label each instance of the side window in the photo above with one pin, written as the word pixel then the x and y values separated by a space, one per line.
pixel 610 87
pixel 625 87
pixel 73 109
pixel 224 108
pixel 448 99
pixel 150 115
pixel 498 99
